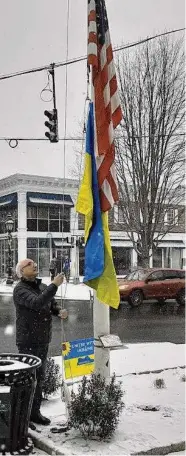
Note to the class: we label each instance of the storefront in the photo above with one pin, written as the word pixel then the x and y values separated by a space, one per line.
pixel 45 222
pixel 121 258
pixel 169 255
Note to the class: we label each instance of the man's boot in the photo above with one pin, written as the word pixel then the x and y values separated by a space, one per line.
pixel 39 419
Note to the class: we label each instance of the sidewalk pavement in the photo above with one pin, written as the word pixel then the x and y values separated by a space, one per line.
pixel 137 366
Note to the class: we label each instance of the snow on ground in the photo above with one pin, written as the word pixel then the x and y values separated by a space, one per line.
pixel 65 291
pixel 138 430
pixel 136 358
pixel 178 453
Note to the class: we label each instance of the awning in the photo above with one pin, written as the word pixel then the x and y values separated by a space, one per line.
pixel 174 244
pixel 5 203
pixel 50 201
pixel 8 200
pixel 121 243
pixel 60 244
pixel 49 198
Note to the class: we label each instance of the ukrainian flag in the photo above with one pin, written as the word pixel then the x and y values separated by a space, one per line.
pixel 99 271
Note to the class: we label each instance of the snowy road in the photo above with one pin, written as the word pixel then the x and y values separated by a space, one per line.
pixel 149 323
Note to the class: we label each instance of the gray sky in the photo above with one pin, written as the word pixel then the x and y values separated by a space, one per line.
pixel 33 33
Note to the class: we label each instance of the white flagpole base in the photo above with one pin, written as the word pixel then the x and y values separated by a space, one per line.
pixel 101 322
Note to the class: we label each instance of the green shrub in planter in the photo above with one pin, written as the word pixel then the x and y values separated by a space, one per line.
pixel 95 409
pixel 52 380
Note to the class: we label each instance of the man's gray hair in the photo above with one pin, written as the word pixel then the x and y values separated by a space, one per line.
pixel 20 266
pixel 19 272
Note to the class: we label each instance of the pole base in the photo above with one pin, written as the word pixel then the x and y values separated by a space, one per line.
pixel 76 280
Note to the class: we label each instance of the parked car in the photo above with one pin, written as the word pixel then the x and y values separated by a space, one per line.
pixel 160 284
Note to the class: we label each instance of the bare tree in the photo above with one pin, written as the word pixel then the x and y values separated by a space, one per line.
pixel 150 141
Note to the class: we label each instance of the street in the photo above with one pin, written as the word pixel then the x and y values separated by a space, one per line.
pixel 148 323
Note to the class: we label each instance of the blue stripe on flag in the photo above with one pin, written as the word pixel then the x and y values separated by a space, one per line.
pixel 94 248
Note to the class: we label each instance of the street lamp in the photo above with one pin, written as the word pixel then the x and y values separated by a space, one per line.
pixel 9 224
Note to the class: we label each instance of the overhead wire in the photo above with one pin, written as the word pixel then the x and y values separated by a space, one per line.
pixel 83 58
pixel 78 138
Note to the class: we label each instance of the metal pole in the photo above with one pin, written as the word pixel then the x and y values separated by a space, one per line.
pixel 9 278
pixel 101 312
pixel 51 71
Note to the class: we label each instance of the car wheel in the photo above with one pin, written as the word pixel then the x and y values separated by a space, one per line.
pixel 181 297
pixel 136 298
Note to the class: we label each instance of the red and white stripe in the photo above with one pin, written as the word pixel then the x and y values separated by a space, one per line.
pixel 107 109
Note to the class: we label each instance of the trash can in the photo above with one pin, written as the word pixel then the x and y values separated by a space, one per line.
pixel 17 386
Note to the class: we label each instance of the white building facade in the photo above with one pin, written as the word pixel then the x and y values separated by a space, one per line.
pixel 46 225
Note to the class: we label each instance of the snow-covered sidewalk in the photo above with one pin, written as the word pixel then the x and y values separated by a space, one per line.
pixel 139 430
pixel 67 291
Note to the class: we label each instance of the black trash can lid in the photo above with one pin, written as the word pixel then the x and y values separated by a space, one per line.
pixel 10 362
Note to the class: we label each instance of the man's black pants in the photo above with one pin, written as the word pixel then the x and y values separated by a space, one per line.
pixel 40 351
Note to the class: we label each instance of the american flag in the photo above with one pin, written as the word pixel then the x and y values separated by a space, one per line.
pixel 106 100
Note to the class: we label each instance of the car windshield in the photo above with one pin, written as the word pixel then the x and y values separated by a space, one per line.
pixel 140 274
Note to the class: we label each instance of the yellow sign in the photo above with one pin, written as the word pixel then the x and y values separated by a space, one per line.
pixel 78 357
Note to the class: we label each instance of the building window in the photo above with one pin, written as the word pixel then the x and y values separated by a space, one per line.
pixel 42 213
pixel 54 213
pixel 177 255
pixel 54 226
pixel 32 243
pixel 42 225
pixel 65 219
pixel 32 212
pixel 171 217
pixel 81 221
pixel 157 258
pixel 122 260
pixel 39 251
pixel 32 225
pixel 50 218
pixel 120 215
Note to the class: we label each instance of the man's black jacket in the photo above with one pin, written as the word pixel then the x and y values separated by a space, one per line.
pixel 35 305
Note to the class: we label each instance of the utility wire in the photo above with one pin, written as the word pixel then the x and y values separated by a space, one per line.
pixel 12 138
pixel 82 58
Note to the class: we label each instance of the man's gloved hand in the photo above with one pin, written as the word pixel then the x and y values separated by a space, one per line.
pixel 58 280
pixel 63 314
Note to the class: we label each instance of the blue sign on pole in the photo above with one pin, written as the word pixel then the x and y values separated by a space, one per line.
pixel 78 357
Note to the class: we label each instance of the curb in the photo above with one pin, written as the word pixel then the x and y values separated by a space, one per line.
pixel 45 444
pixel 172 448
pixel 52 449
pixel 157 371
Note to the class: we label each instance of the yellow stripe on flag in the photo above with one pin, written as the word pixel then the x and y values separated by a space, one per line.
pixel 84 203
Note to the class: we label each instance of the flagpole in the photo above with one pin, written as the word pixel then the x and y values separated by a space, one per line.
pixel 101 324
pixel 101 313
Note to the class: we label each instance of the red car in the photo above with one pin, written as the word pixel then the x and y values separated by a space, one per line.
pixel 160 284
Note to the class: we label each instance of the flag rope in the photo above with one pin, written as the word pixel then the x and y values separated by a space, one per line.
pixel 72 231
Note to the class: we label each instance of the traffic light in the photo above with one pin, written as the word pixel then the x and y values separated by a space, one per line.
pixel 52 125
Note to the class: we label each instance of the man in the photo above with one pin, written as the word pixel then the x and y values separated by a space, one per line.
pixel 66 268
pixel 35 305
pixel 53 267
